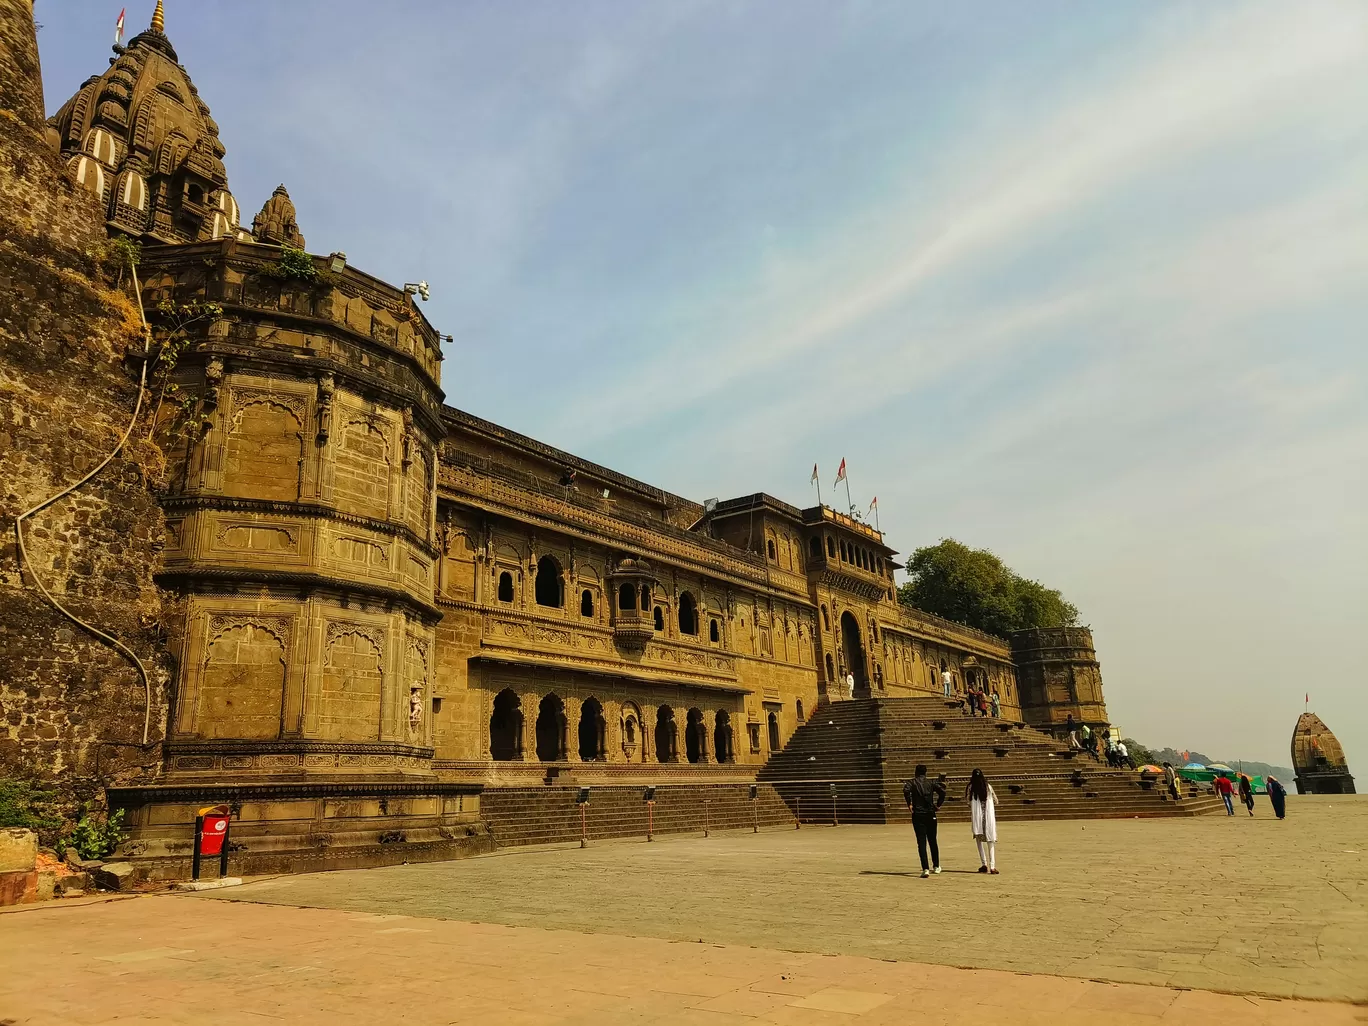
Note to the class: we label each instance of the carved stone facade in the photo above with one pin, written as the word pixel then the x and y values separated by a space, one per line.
pixel 1060 677
pixel 1318 758
pixel 376 605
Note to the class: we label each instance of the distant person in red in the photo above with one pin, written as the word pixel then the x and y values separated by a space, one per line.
pixel 1247 792
pixel 1225 789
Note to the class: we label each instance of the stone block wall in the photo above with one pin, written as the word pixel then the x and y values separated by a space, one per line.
pixel 71 708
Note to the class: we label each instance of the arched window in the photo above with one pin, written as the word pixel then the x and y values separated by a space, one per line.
pixel 826 620
pixel 505 587
pixel 815 548
pixel 645 597
pixel 688 614
pixel 713 634
pixel 586 603
pixel 548 582
pixel 773 732
pixel 831 547
pixel 769 548
pixel 626 598
pixel 660 619
pixel 799 706
pixel 843 553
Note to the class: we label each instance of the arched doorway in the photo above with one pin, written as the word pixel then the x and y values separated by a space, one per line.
pixel 665 735
pixel 551 729
pixel 695 737
pixel 549 588
pixel 506 727
pixel 722 737
pixel 688 614
pixel 852 650
pixel 591 731
pixel 773 733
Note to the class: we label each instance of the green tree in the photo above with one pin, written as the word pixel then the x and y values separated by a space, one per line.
pixel 974 587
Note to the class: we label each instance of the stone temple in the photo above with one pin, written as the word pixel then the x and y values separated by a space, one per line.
pixel 1318 758
pixel 377 626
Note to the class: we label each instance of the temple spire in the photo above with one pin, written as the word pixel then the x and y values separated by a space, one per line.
pixel 159 18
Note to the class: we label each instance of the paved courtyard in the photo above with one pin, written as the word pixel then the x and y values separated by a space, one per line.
pixel 821 925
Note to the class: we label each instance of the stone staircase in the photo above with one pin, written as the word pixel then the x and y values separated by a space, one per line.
pixel 848 763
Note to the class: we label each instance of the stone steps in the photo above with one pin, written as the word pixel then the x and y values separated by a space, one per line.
pixel 867 748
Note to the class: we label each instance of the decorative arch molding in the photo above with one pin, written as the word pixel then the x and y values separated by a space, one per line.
pixel 239 399
pixel 281 627
pixel 338 628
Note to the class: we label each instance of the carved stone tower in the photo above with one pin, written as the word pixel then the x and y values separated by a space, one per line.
pixel 276 222
pixel 1057 675
pixel 300 498
pixel 140 138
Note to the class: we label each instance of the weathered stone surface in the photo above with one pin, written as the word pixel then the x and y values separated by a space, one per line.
pixel 73 885
pixel 18 850
pixel 18 887
pixel 47 885
pixel 116 876
pixel 73 708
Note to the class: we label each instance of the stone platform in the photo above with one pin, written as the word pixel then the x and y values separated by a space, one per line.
pixel 1205 921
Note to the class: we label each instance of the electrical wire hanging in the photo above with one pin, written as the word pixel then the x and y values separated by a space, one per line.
pixel 19 521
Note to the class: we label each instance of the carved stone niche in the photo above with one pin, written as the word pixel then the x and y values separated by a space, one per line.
pixel 632 595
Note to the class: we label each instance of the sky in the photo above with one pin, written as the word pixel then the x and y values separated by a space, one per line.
pixel 1085 284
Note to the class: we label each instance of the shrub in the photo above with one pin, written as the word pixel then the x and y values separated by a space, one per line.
pixel 94 838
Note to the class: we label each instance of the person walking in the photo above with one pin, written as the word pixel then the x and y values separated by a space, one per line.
pixel 1247 793
pixel 983 820
pixel 1224 788
pixel 947 682
pixel 1124 756
pixel 1171 779
pixel 1070 727
pixel 850 685
pixel 1277 796
pixel 997 706
pixel 923 798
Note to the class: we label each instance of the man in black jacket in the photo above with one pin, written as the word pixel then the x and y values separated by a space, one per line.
pixel 923 798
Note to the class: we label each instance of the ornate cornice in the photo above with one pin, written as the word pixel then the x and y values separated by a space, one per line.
pixel 296 747
pixel 183 504
pixel 238 793
pixel 198 576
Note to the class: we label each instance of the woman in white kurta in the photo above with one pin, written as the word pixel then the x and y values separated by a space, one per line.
pixel 983 819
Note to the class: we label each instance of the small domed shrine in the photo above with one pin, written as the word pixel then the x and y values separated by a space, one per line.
pixel 276 222
pixel 140 138
pixel 1318 758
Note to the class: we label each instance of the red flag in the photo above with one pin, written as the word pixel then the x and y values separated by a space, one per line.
pixel 840 474
pixel 874 505
pixel 118 27
pixel 814 473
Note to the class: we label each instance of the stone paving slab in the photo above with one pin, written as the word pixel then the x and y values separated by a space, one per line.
pixel 1239 905
pixel 182 959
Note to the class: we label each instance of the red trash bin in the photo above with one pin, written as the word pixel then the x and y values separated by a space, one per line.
pixel 211 837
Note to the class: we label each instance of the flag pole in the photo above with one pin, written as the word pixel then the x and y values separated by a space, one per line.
pixel 850 503
pixel 816 479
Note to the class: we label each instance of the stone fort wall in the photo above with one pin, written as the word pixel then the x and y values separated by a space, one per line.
pixel 71 708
